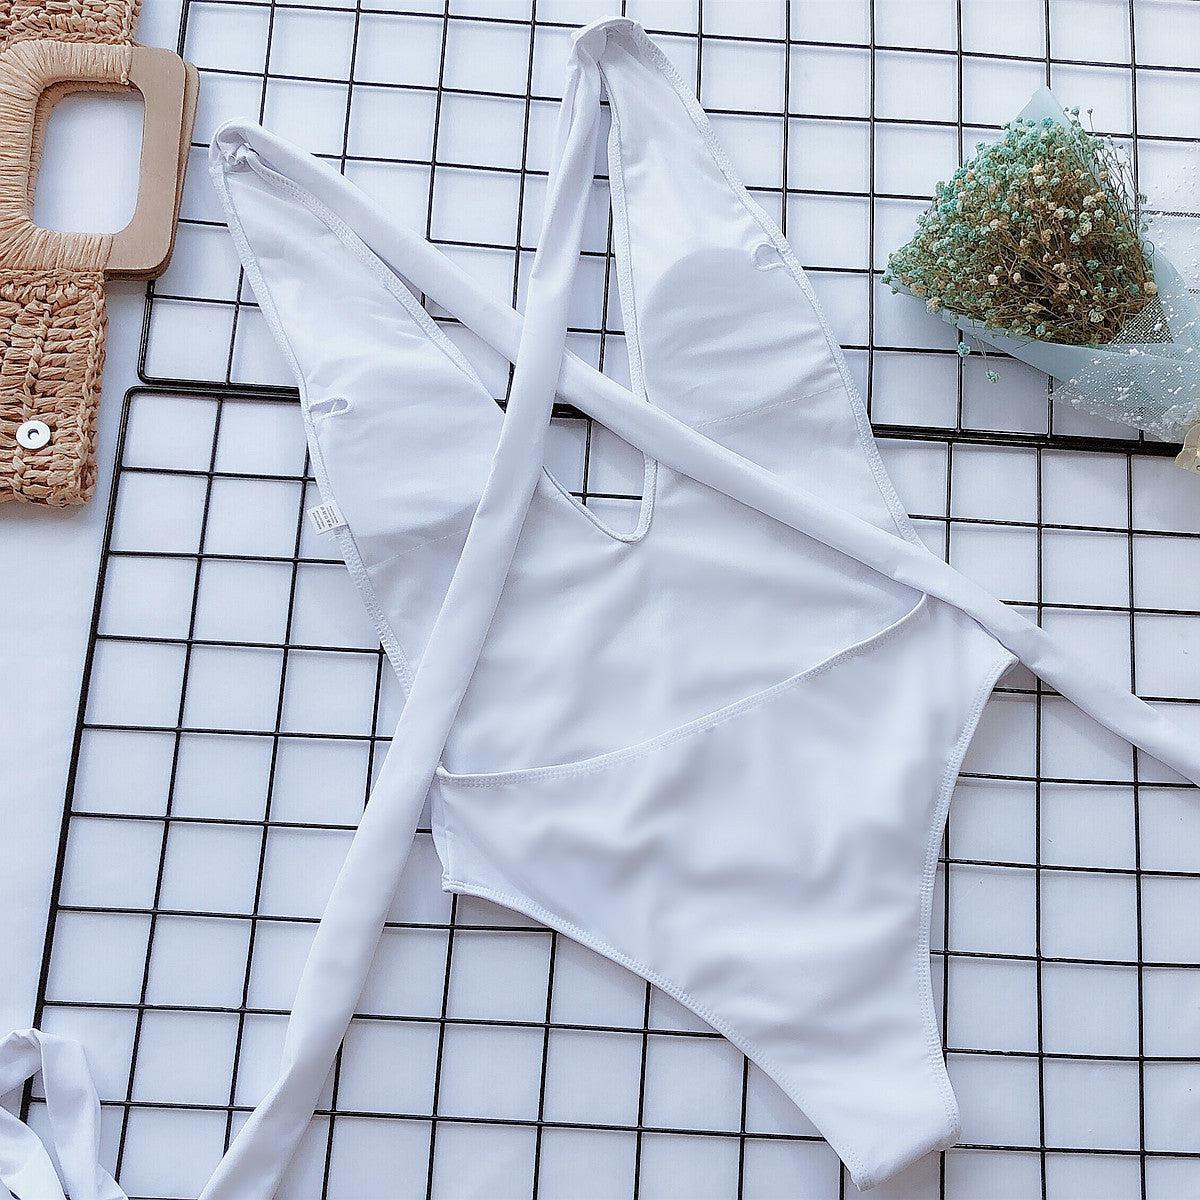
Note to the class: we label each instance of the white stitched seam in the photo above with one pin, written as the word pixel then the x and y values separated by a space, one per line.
pixel 457 531
pixel 766 407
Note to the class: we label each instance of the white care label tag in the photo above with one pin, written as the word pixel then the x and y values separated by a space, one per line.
pixel 326 517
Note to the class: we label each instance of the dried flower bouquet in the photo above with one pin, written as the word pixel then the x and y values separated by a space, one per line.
pixel 1038 246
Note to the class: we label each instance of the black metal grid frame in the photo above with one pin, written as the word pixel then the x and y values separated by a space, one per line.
pixel 217 393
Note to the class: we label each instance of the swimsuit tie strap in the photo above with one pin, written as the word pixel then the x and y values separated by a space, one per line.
pixel 73 1112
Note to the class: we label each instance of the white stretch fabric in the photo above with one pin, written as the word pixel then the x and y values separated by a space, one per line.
pixel 73 1116
pixel 718 748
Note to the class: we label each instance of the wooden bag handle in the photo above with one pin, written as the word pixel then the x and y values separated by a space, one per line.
pixel 52 313
pixel 28 70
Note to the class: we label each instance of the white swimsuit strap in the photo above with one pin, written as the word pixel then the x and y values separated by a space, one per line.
pixel 348 935
pixel 73 1112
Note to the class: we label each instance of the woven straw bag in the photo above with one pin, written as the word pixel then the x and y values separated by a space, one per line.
pixel 52 313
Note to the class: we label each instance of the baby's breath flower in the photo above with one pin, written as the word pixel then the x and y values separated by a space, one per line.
pixel 1017 216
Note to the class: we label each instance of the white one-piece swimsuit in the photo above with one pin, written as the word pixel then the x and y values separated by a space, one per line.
pixel 718 749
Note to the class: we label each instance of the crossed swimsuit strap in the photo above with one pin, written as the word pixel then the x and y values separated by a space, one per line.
pixel 350 929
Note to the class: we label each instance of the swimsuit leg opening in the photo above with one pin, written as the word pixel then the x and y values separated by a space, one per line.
pixel 923 966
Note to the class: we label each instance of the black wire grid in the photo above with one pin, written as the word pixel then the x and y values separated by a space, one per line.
pixel 184 798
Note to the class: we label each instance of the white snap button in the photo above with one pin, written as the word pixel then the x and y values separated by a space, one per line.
pixel 33 435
